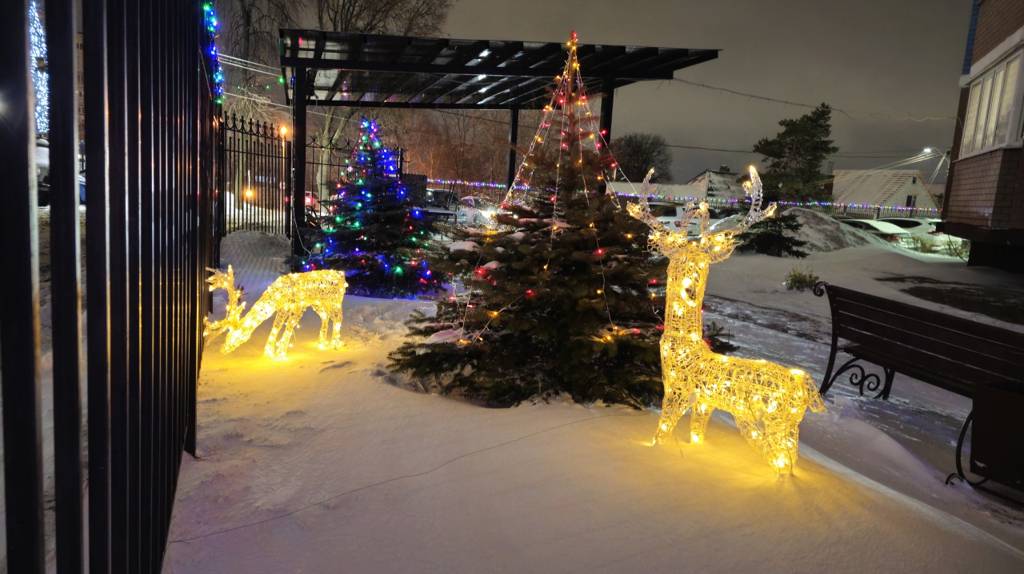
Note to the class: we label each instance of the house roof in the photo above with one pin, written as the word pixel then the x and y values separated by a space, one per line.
pixel 874 187
pixel 348 69
pixel 718 183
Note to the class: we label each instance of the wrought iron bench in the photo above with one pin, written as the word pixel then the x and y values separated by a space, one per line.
pixel 981 362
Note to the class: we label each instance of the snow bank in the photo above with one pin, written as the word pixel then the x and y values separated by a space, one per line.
pixel 824 233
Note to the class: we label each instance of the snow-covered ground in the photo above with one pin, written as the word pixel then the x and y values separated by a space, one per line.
pixel 320 464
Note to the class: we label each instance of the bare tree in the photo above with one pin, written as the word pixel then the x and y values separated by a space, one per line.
pixel 639 152
pixel 251 33
pixel 405 17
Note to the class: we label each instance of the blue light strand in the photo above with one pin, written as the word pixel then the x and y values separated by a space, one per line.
pixel 212 24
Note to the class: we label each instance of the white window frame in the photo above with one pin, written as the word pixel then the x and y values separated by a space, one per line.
pixel 980 121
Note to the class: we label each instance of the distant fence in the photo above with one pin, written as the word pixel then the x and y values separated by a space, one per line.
pixel 324 167
pixel 256 157
pixel 495 191
pixel 859 211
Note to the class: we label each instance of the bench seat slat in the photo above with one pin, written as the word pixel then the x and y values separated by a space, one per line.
pixel 925 340
pixel 941 366
pixel 1004 339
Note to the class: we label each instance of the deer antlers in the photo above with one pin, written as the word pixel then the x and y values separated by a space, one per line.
pixel 754 188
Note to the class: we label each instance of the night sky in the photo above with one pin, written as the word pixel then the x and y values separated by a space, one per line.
pixel 881 60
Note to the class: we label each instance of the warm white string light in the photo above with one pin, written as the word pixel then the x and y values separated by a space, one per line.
pixel 767 400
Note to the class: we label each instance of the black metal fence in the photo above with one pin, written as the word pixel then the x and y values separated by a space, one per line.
pixel 150 143
pixel 256 159
pixel 324 168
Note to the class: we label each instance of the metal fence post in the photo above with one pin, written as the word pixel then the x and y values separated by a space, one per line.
pixel 19 308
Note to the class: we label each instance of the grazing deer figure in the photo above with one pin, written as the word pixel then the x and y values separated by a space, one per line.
pixel 288 296
pixel 766 400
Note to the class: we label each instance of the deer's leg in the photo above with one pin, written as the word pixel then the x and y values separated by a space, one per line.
pixel 754 433
pixel 287 331
pixel 673 407
pixel 782 444
pixel 336 335
pixel 325 322
pixel 279 320
pixel 699 421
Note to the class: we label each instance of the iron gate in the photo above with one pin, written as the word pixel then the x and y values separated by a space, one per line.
pixel 256 184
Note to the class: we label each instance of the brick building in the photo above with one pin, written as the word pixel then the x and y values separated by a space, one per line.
pixel 984 199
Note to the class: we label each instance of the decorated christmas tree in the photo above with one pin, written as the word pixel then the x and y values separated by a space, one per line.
pixel 372 231
pixel 559 297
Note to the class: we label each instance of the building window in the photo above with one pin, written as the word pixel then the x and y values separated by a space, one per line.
pixel 990 108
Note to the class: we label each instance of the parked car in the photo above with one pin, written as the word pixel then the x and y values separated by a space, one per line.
pixel 925 234
pixel 887 231
pixel 914 225
pixel 475 211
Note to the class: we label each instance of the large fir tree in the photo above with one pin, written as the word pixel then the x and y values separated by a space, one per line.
pixel 795 156
pixel 373 231
pixel 557 298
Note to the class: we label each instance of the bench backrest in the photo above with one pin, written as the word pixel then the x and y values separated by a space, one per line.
pixel 952 348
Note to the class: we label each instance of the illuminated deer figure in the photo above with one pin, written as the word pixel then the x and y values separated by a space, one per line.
pixel 288 296
pixel 766 400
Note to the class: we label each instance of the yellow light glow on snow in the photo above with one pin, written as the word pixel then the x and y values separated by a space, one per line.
pixel 287 297
pixel 767 400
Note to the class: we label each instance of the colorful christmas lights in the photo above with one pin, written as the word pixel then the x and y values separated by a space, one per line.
pixel 288 297
pixel 766 400
pixel 212 24
pixel 372 229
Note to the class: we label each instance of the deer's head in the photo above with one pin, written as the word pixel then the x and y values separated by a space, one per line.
pixel 712 244
pixel 232 310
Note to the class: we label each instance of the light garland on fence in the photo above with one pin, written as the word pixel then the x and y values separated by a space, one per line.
pixel 471 184
pixel 288 297
pixel 711 201
pixel 767 400
pixel 212 24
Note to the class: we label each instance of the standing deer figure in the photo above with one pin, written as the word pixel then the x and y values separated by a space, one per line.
pixel 766 400
pixel 288 296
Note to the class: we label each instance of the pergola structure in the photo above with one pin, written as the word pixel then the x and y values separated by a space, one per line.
pixel 372 70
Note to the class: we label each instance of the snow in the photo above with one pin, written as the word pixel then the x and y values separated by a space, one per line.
pixel 463 246
pixel 323 463
pixel 758 279
pixel 824 233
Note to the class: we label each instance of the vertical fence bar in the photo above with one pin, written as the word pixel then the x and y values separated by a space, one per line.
pixel 65 288
pixel 148 549
pixel 118 294
pixel 299 154
pixel 133 379
pixel 19 308
pixel 94 38
pixel 163 163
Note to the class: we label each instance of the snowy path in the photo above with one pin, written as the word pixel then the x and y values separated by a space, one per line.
pixel 318 464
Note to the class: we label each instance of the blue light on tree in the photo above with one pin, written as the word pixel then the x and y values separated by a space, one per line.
pixel 212 24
